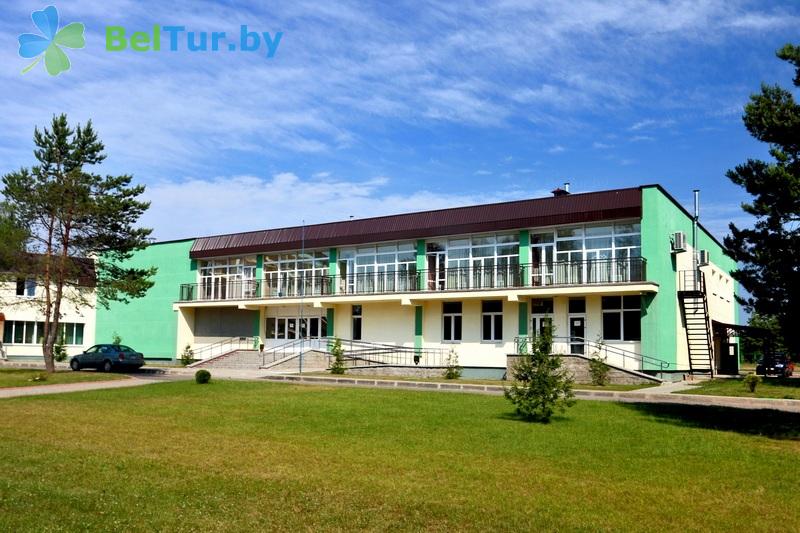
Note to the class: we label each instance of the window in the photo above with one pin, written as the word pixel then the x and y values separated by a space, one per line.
pixel 451 312
pixel 26 287
pixel 356 333
pixel 541 315
pixel 228 278
pixel 296 274
pixel 577 306
pixel 492 320
pixel 18 332
pixel 622 318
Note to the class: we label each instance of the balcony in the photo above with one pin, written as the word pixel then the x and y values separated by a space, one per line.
pixel 296 285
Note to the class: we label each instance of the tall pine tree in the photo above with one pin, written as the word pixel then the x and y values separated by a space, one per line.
pixel 769 252
pixel 72 229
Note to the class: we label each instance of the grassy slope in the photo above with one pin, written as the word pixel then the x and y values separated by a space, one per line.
pixel 15 377
pixel 237 456
pixel 769 388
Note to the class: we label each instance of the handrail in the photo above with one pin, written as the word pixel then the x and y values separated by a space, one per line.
pixel 301 284
pixel 224 346
pixel 601 350
pixel 359 353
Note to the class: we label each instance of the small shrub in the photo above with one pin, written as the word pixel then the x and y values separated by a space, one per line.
pixel 187 356
pixel 337 367
pixel 542 385
pixel 598 370
pixel 752 381
pixel 453 371
pixel 59 351
pixel 202 376
pixel 116 340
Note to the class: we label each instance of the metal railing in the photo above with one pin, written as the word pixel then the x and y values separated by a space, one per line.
pixel 358 353
pixel 691 281
pixel 225 346
pixel 559 273
pixel 614 355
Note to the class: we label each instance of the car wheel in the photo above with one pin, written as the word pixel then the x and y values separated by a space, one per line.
pixel 75 365
pixel 107 366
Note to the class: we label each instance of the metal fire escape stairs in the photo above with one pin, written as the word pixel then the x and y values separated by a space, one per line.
pixel 694 312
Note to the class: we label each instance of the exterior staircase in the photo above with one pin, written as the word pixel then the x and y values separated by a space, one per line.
pixel 694 312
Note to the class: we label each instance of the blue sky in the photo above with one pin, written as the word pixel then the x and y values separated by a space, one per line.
pixel 378 108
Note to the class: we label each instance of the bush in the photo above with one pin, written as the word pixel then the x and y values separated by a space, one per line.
pixel 541 385
pixel 187 356
pixel 59 351
pixel 338 357
pixel 453 371
pixel 202 376
pixel 116 340
pixel 752 381
pixel 598 370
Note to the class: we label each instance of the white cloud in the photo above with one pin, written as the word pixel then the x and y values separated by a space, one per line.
pixel 483 172
pixel 556 149
pixel 246 203
pixel 650 123
pixel 601 146
pixel 642 138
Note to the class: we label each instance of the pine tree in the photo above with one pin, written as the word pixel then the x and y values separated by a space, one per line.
pixel 769 252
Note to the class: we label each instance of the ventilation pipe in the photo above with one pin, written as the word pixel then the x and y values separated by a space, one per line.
pixel 561 191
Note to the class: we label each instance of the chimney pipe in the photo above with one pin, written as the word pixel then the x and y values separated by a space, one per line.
pixel 566 186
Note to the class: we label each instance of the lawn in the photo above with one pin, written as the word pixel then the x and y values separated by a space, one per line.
pixel 18 377
pixel 498 382
pixel 245 456
pixel 768 388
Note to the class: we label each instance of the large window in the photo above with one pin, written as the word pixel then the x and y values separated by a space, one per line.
pixel 622 318
pixel 597 253
pixel 287 328
pixel 228 278
pixel 480 261
pixel 357 323
pixel 492 320
pixel 387 267
pixel 452 321
pixel 19 332
pixel 26 287
pixel 296 274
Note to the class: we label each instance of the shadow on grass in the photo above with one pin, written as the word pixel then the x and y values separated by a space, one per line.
pixel 764 422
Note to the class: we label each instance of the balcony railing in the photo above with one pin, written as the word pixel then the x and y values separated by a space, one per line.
pixel 589 272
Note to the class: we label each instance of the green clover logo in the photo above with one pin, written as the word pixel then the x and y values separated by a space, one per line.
pixel 47 44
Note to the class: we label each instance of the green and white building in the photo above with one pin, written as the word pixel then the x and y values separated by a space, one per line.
pixel 612 271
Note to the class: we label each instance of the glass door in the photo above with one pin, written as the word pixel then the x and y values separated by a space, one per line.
pixel 436 270
pixel 577 332
pixel 542 264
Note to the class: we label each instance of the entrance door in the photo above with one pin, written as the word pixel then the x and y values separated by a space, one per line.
pixel 436 271
pixel 542 265
pixel 577 332
pixel 729 358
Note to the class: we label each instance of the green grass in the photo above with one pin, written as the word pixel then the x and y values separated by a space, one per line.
pixel 245 456
pixel 471 381
pixel 16 377
pixel 768 388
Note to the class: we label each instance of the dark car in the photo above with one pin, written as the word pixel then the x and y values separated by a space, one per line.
pixel 775 365
pixel 108 357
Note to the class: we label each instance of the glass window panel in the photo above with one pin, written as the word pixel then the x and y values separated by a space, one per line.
pixel 281 328
pixel 570 232
pixel 365 250
pixel 540 238
pixel 627 227
pixel 457 328
pixel 323 327
pixel 385 248
pixel 632 325
pixel 484 251
pixel 542 306
pixel 595 231
pixel 19 332
pixel 8 333
pixel 406 257
pixel 508 250
pixel 632 302
pixel 612 327
pixel 435 247
pixel 271 327
pixel 79 333
pixel 384 259
pixel 250 261
pixel 67 336
pixel 448 328
pixel 347 253
pixel 460 253
pixel 365 260
pixel 577 305
pixel 458 243
pixel 563 246
pixel 486 239
pixel 486 332
pixel 636 252
pixel 594 244
pixel 321 255
pixel 498 327
pixel 612 302
pixel 356 310
pixel 406 247
pixel 630 240
pixel 508 238
pixel 492 306
pixel 357 328
pixel 451 307
pixel 30 329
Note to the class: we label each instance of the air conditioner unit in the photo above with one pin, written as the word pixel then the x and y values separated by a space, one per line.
pixel 678 241
pixel 702 258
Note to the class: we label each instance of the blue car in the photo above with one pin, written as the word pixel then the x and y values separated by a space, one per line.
pixel 108 357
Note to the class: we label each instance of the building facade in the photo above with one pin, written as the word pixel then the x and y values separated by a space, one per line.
pixel 604 269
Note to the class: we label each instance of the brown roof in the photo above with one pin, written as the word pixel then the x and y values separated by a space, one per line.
pixel 569 209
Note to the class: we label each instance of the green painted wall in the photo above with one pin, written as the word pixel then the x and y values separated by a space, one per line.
pixel 149 324
pixel 660 219
pixel 333 269
pixel 421 262
pixel 523 319
pixel 525 254
pixel 418 327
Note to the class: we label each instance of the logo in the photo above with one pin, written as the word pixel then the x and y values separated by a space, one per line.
pixel 48 44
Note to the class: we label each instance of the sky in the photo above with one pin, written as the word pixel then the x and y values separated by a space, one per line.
pixel 371 108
